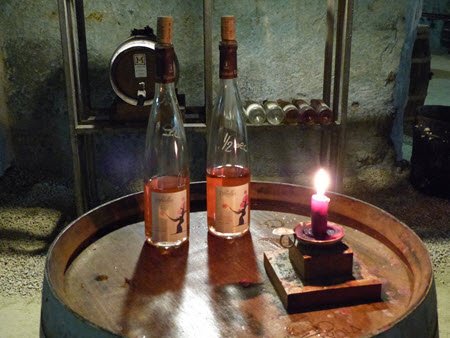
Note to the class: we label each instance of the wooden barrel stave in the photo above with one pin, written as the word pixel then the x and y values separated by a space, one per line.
pixel 362 217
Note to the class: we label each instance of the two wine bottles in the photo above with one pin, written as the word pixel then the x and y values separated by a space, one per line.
pixel 166 167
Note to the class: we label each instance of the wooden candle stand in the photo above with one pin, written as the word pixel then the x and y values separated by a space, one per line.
pixel 318 263
pixel 308 277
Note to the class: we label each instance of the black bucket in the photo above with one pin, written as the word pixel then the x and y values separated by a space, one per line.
pixel 430 160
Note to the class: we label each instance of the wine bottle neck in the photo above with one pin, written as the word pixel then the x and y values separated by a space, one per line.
pixel 165 66
pixel 228 86
pixel 228 60
pixel 162 88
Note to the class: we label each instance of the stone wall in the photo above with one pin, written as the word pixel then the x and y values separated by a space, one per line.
pixel 34 80
pixel 6 154
pixel 280 56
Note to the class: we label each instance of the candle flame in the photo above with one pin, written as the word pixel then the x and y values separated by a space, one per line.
pixel 321 181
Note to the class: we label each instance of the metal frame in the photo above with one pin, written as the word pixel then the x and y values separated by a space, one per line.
pixel 85 121
pixel 208 64
pixel 339 29
pixel 75 68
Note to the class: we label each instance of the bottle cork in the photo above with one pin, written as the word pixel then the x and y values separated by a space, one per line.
pixel 228 28
pixel 164 29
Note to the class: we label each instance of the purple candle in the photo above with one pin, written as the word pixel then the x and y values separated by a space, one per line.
pixel 319 205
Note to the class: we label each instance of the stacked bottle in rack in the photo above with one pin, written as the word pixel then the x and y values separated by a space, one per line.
pixel 294 112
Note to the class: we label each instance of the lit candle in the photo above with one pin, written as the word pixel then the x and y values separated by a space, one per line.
pixel 319 205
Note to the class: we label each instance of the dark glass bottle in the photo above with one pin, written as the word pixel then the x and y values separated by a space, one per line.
pixel 228 172
pixel 166 167
pixel 291 112
pixel 324 113
pixel 307 114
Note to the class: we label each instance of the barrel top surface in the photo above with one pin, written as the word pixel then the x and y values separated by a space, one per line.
pixel 101 269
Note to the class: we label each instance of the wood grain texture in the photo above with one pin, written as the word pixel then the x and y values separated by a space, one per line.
pixel 102 277
pixel 299 295
pixel 316 263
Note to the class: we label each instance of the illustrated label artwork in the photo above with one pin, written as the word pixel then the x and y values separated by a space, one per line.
pixel 232 208
pixel 169 219
pixel 140 65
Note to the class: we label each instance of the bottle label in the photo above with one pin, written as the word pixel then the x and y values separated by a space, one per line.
pixel 288 107
pixel 169 216
pixel 140 65
pixel 318 105
pixel 232 208
pixel 228 60
pixel 165 66
pixel 303 106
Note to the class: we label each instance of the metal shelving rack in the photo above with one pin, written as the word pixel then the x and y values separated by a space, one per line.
pixel 85 121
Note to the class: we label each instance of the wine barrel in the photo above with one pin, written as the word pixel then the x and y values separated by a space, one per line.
pixel 102 280
pixel 132 68
pixel 430 158
pixel 420 72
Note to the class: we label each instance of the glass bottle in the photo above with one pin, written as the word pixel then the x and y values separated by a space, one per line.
pixel 274 113
pixel 324 113
pixel 255 113
pixel 291 112
pixel 228 172
pixel 166 166
pixel 307 114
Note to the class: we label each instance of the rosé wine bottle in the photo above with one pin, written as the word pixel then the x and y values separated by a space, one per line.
pixel 166 166
pixel 227 172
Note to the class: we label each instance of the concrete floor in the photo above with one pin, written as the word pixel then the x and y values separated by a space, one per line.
pixel 34 208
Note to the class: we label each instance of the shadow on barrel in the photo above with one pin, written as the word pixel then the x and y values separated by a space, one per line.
pixel 234 277
pixel 155 293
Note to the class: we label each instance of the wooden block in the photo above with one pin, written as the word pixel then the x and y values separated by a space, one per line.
pixel 331 262
pixel 298 297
